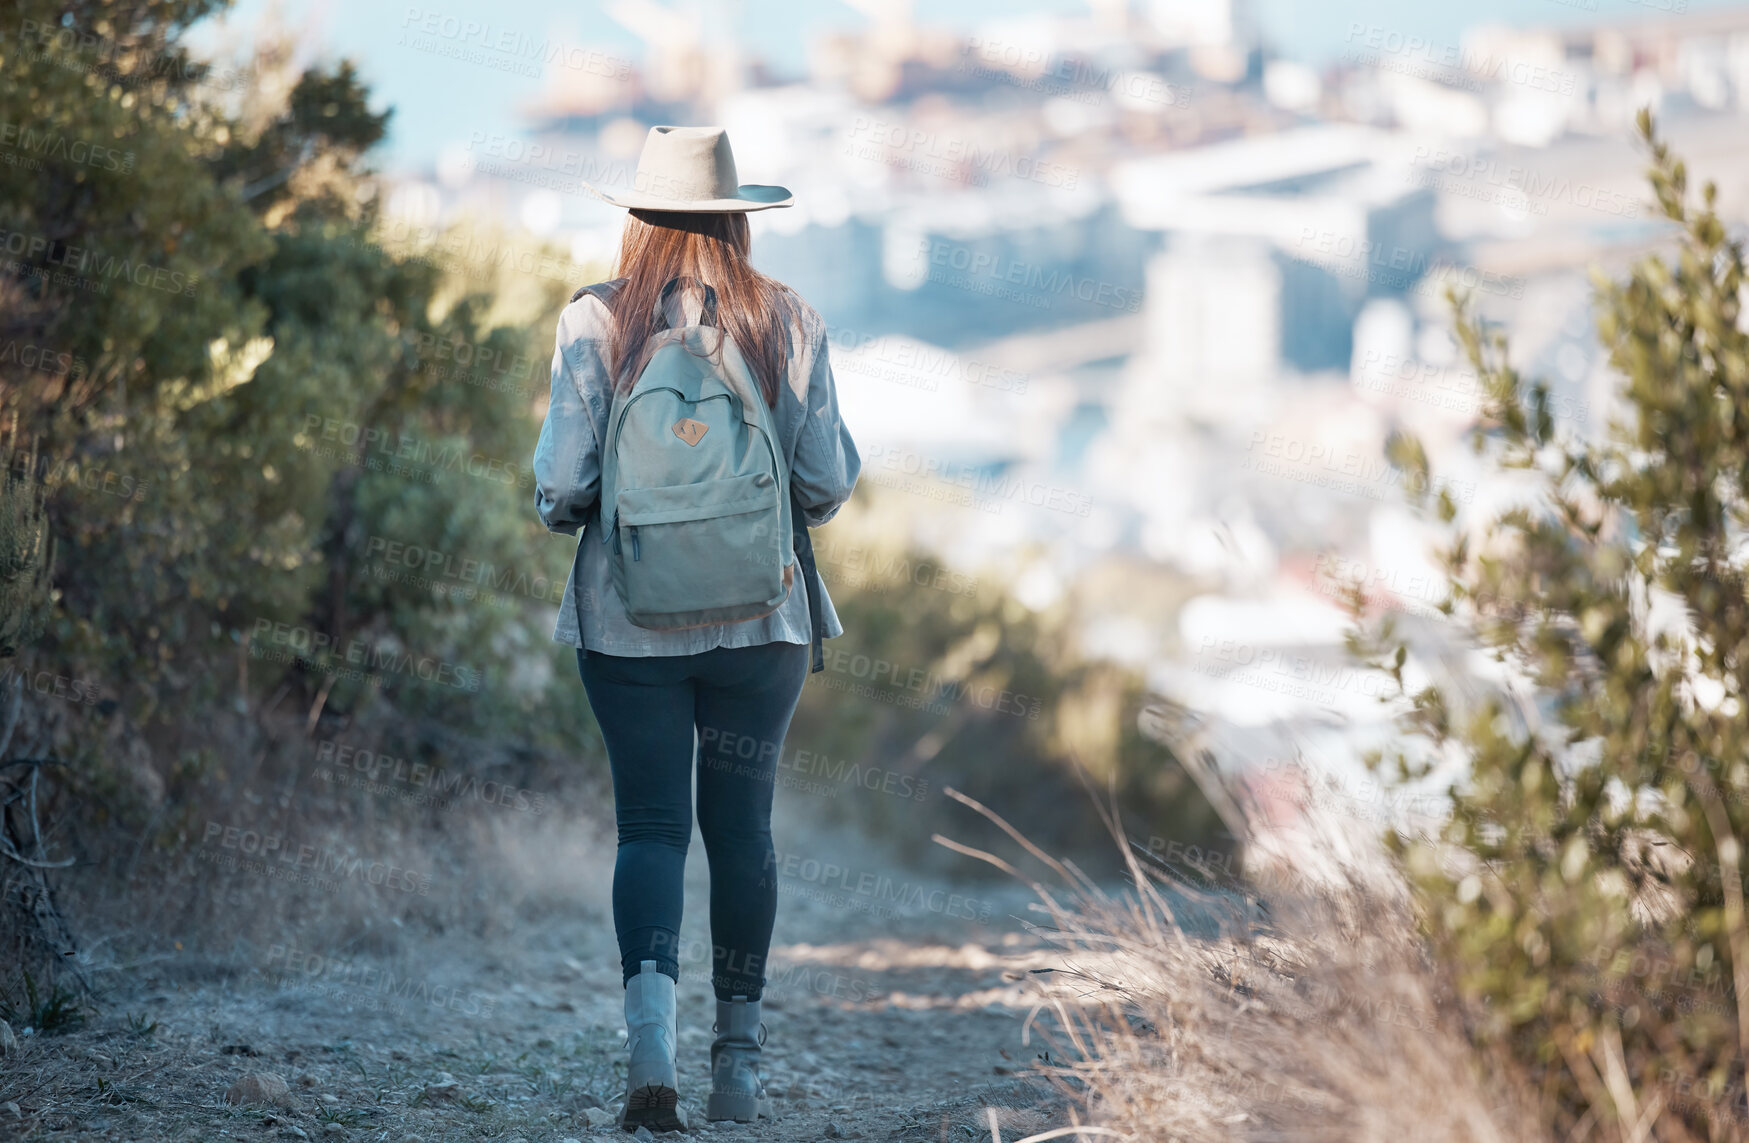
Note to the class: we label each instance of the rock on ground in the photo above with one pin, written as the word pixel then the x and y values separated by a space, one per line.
pixel 261 1088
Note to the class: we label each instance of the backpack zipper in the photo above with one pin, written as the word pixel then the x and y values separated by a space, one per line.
pixel 625 411
pixel 613 437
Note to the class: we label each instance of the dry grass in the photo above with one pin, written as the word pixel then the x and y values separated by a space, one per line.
pixel 259 845
pixel 1301 1007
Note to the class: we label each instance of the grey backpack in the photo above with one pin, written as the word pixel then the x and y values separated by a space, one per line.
pixel 695 495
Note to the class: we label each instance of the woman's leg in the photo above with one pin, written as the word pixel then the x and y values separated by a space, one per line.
pixel 644 707
pixel 745 698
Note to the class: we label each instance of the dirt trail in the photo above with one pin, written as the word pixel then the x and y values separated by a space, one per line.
pixel 886 1022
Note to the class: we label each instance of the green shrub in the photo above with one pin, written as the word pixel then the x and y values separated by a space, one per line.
pixel 1587 890
pixel 943 678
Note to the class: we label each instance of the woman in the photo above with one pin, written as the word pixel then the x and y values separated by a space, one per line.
pixel 683 264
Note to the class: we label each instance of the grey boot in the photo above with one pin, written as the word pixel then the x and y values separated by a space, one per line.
pixel 737 1091
pixel 651 1093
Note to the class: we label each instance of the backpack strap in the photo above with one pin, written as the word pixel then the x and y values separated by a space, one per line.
pixel 686 282
pixel 602 290
pixel 804 546
pixel 606 291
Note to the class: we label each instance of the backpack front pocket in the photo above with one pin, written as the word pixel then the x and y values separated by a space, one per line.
pixel 697 553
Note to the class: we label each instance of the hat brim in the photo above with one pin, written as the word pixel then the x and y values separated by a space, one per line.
pixel 748 196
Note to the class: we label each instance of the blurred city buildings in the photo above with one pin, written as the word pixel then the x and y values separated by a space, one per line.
pixel 1122 298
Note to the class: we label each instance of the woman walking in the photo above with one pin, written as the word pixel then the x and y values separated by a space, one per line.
pixel 693 436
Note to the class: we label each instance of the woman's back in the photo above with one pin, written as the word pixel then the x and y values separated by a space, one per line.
pixel 594 357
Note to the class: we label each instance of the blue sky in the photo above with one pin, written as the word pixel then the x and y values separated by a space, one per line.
pixel 438 101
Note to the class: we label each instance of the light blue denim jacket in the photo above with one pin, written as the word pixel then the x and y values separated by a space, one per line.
pixel 823 465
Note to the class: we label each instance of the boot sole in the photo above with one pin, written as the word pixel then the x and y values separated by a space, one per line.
pixel 722 1107
pixel 652 1106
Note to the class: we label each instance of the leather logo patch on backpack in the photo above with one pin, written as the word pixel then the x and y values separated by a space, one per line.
pixel 690 431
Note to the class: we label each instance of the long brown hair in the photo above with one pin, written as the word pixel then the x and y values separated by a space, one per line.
pixel 755 310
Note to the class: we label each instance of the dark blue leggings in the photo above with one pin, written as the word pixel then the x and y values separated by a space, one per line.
pixel 740 700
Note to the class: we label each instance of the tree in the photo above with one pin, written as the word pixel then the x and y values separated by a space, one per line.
pixel 194 289
pixel 1588 886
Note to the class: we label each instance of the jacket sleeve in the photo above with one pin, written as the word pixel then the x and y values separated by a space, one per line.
pixel 826 461
pixel 567 458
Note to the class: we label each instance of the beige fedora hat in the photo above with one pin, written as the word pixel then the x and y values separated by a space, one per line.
pixel 691 168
